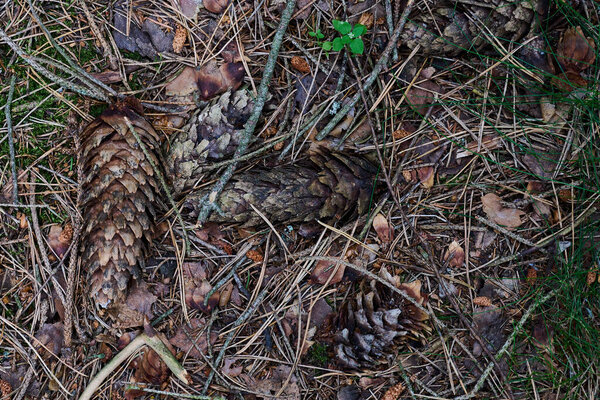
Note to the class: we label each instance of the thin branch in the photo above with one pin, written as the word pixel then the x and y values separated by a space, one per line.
pixel 11 141
pixel 208 202
pixel 156 344
pixel 94 94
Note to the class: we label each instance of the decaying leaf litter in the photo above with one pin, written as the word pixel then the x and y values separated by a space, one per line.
pixel 419 220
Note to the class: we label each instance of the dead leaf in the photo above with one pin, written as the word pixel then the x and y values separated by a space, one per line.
pixel 215 6
pixel 192 339
pixel 300 64
pixel 542 333
pixel 426 176
pixel 575 52
pixel 421 94
pixel 195 281
pixel 184 84
pixel 455 255
pixel 591 276
pixel 213 80
pixel 269 388
pixel 59 239
pixel 351 392
pixel 324 269
pixel 542 165
pixel 51 339
pixel 393 392
pixel 508 217
pixel 385 232
pixel 137 306
pixel 569 81
pixel 189 8
pixel 367 20
pixel 147 38
pixel 227 368
pixel 320 312
pixel 489 322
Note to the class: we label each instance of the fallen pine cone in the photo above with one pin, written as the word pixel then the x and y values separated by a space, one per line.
pixel 373 324
pixel 211 134
pixel 326 186
pixel 450 28
pixel 120 193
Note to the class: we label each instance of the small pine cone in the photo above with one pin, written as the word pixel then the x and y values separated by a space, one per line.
pixel 120 193
pixel 326 186
pixel 5 388
pixel 449 28
pixel 211 134
pixel 371 326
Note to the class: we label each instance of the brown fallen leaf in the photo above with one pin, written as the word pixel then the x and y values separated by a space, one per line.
pixel 542 333
pixel 366 19
pixel 455 254
pixel 426 176
pixel 195 281
pixel 215 6
pixel 324 269
pixel 575 52
pixel 421 94
pixel 228 368
pixel 137 306
pixel 213 80
pixel 192 339
pixel 508 217
pixel 51 339
pixel 281 377
pixel 59 239
pixel 569 81
pixel 385 232
pixel 488 322
pixel 184 84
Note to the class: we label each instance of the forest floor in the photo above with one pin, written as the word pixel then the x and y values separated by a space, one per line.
pixel 482 233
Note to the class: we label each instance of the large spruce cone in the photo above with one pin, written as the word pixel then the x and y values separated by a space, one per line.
pixel 450 27
pixel 378 320
pixel 211 134
pixel 120 192
pixel 325 186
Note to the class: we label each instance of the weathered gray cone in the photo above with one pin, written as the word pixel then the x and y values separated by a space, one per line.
pixel 120 192
pixel 448 27
pixel 376 322
pixel 325 186
pixel 212 133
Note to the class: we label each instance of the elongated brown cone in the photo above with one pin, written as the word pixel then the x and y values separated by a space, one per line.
pixel 326 186
pixel 120 191
pixel 448 27
pixel 211 134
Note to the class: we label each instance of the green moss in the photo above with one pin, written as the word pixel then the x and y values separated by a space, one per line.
pixel 317 355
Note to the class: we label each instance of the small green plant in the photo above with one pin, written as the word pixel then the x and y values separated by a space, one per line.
pixel 349 35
